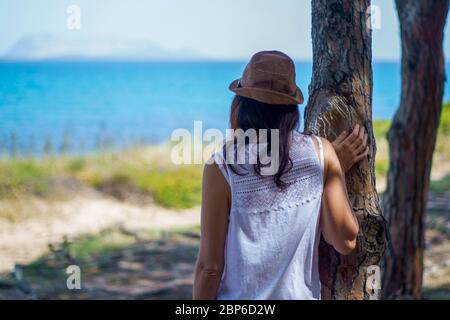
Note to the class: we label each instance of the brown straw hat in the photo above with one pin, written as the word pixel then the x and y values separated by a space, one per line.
pixel 270 78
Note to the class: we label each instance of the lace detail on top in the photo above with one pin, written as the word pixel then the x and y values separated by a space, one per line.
pixel 259 194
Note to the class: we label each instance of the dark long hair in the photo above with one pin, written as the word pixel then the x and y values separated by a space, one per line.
pixel 248 114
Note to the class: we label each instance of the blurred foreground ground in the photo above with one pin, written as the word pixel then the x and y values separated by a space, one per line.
pixel 148 254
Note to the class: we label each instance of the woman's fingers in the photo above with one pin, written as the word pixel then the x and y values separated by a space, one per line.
pixel 362 156
pixel 352 137
pixel 361 144
pixel 366 137
pixel 341 137
pixel 359 137
pixel 351 148
pixel 359 149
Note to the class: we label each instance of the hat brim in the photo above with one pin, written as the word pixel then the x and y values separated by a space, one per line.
pixel 265 95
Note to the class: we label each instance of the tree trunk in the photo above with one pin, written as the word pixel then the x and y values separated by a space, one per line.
pixel 412 140
pixel 340 98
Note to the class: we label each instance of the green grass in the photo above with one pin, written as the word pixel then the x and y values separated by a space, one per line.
pixel 103 243
pixel 175 187
pixel 381 128
pixel 381 167
pixel 444 127
pixel 442 150
pixel 180 188
pixel 113 240
pixel 441 186
pixel 24 175
pixel 169 185
pixel 75 165
pixel 148 171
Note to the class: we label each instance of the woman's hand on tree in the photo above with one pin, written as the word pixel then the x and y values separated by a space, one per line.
pixel 351 148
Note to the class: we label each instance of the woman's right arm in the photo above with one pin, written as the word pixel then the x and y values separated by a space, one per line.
pixel 338 222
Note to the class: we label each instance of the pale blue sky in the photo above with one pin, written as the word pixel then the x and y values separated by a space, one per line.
pixel 224 29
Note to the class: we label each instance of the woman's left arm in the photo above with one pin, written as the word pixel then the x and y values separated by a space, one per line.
pixel 215 210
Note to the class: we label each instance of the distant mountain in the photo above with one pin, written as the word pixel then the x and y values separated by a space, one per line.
pixel 47 47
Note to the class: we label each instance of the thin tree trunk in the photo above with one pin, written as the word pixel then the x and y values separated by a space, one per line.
pixel 340 98
pixel 412 140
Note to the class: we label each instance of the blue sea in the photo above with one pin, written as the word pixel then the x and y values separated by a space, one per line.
pixel 82 106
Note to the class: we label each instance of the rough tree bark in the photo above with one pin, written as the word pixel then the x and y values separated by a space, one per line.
pixel 340 98
pixel 412 140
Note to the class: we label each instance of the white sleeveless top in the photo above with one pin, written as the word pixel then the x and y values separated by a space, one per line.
pixel 273 236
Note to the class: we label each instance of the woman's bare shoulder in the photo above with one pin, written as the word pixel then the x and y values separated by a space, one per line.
pixel 327 146
pixel 213 178
pixel 329 154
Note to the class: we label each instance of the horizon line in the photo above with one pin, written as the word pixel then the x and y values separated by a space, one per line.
pixel 202 59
